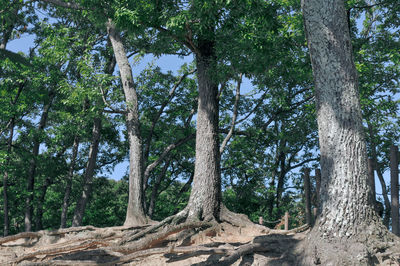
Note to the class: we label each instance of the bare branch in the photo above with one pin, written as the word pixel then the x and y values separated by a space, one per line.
pixel 103 96
pixel 164 154
pixel 235 111
pixel 161 110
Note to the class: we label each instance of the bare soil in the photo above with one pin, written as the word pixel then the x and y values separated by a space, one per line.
pixel 186 244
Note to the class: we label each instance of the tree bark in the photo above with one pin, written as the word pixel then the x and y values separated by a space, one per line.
pixel 135 214
pixel 33 163
pixel 39 208
pixel 371 178
pixel 68 187
pixel 318 187
pixel 89 173
pixel 307 195
pixel 156 186
pixel 347 213
pixel 6 226
pixel 205 197
pixel 376 165
pixel 394 184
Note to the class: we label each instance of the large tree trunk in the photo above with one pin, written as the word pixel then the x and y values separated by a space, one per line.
pixel 89 173
pixel 135 214
pixel 347 215
pixel 68 187
pixel 205 197
pixel 33 164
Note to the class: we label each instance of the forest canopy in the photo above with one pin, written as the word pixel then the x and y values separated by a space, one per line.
pixel 75 106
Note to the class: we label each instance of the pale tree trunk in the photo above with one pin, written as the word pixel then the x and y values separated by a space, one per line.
pixel 33 164
pixel 89 173
pixel 135 214
pixel 68 187
pixel 205 197
pixel 347 215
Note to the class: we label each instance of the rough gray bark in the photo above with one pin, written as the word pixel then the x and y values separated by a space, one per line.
pixel 135 214
pixel 347 215
pixel 205 197
pixel 89 173
pixel 33 163
pixel 394 185
pixel 68 187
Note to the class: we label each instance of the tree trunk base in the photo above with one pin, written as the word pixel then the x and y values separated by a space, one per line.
pixel 379 247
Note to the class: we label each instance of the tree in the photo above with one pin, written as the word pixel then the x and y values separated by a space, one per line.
pixel 347 213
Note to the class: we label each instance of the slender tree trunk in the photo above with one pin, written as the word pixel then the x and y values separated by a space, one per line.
pixel 318 187
pixel 376 165
pixel 394 184
pixel 307 195
pixel 68 187
pixel 39 208
pixel 33 164
pixel 135 214
pixel 6 220
pixel 89 173
pixel 347 214
pixel 282 174
pixel 156 186
pixel 371 178
pixel 205 197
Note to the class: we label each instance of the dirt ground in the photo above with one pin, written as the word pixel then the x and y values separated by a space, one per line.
pixel 224 245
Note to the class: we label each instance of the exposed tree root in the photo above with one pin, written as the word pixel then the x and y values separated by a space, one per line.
pixel 119 245
pixel 20 236
pixel 156 238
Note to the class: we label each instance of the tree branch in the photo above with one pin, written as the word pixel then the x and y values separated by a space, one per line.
pixel 164 154
pixel 161 110
pixel 235 111
pixel 70 5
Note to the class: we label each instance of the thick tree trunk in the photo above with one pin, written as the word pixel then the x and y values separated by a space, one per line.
pixel 135 214
pixel 33 164
pixel 394 185
pixel 68 187
pixel 347 215
pixel 89 173
pixel 205 197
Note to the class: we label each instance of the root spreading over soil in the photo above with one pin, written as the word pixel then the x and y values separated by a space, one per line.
pixel 174 241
